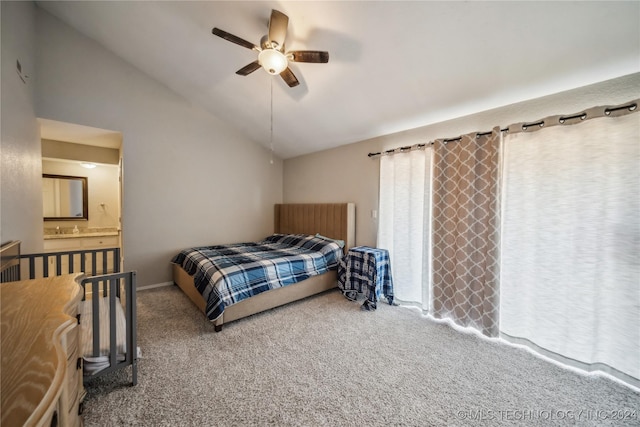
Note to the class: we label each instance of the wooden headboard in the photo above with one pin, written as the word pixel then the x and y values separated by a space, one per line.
pixel 335 220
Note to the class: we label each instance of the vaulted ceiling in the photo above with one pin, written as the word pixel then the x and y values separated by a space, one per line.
pixel 393 65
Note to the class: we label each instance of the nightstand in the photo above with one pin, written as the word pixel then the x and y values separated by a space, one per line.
pixel 367 271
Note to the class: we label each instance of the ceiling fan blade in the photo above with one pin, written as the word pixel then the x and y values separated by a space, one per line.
pixel 233 39
pixel 278 28
pixel 316 56
pixel 290 78
pixel 248 69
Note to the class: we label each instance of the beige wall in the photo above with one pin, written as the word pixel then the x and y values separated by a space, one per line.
pixel 20 167
pixel 347 174
pixel 80 152
pixel 103 187
pixel 189 179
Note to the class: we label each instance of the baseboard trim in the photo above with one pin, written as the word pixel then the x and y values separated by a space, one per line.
pixel 156 285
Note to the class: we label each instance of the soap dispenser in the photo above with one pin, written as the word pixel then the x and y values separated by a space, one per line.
pixel 75 230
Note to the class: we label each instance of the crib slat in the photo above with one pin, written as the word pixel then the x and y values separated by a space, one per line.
pixel 94 256
pixel 116 260
pixel 113 346
pixel 58 265
pixel 111 283
pixel 32 268
pixel 104 263
pixel 95 303
pixel 132 346
pixel 45 265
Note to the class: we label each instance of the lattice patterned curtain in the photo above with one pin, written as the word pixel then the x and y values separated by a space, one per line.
pixel 465 225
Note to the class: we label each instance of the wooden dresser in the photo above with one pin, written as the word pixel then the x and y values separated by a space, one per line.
pixel 41 365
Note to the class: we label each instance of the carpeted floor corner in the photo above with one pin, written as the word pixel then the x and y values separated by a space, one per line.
pixel 324 362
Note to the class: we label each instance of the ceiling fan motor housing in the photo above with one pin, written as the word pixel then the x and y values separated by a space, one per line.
pixel 265 43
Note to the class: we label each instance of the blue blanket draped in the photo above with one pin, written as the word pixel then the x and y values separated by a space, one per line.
pixel 227 274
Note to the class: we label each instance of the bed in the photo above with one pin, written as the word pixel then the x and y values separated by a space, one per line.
pixel 332 221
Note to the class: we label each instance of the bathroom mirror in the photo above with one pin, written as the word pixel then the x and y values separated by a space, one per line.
pixel 64 198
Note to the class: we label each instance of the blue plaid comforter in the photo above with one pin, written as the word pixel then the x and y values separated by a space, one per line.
pixel 227 274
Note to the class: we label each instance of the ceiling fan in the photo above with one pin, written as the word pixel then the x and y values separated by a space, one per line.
pixel 271 53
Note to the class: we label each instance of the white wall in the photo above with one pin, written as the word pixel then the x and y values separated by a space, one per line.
pixel 346 173
pixel 20 168
pixel 189 179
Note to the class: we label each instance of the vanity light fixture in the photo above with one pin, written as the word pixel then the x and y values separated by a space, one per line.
pixel 88 165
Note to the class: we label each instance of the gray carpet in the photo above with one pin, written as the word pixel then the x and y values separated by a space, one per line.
pixel 322 361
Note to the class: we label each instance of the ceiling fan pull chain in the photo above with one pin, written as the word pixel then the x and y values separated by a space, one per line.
pixel 271 121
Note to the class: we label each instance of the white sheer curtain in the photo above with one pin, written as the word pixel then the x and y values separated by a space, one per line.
pixel 570 266
pixel 403 222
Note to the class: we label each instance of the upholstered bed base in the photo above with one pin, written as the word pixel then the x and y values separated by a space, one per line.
pixel 264 301
pixel 332 220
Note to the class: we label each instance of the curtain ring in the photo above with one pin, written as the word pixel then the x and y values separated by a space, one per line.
pixel 581 116
pixel 525 126
pixel 631 107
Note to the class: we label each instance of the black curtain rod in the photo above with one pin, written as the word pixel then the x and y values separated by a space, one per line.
pixel 418 146
pixel 525 126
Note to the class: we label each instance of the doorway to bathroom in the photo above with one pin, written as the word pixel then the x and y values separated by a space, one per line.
pixel 76 153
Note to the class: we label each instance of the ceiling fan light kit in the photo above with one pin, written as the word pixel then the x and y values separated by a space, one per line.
pixel 272 56
pixel 273 61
